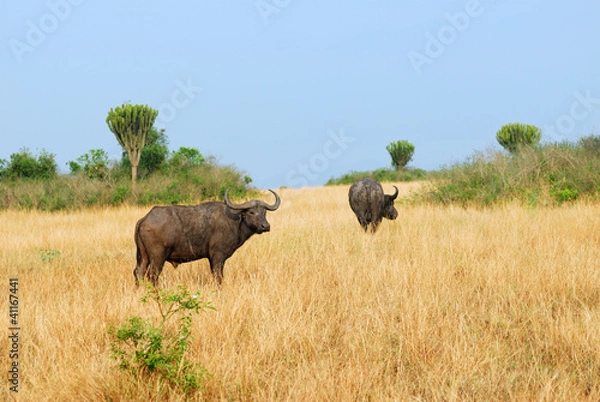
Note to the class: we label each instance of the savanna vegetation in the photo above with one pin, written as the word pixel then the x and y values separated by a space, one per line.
pixel 444 303
pixel 542 175
pixel 532 174
pixel 29 181
pixel 473 293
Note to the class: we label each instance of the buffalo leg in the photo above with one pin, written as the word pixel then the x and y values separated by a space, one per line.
pixel 142 265
pixel 374 226
pixel 363 223
pixel 139 273
pixel 154 272
pixel 216 267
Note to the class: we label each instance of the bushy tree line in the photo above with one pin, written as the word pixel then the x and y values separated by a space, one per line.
pixel 165 177
pixel 155 158
pixel 25 165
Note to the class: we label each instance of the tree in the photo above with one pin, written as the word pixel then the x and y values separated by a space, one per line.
pixel 154 155
pixel 401 152
pixel 131 124
pixel 516 135
pixel 24 165
pixel 94 164
pixel 186 157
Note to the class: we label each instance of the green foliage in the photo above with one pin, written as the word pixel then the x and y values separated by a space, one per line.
pixel 381 175
pixel 185 158
pixel 48 255
pixel 25 165
pixel 154 155
pixel 151 349
pixel 401 153
pixel 550 174
pixel 186 177
pixel 119 195
pixel 514 136
pixel 591 144
pixel 565 195
pixel 69 192
pixel 93 164
pixel 131 125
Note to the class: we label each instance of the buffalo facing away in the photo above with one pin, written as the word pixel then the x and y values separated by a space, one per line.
pixel 212 230
pixel 370 204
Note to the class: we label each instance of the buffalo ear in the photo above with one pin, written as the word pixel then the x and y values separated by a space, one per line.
pixel 232 214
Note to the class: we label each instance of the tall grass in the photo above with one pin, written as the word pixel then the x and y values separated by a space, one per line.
pixel 444 303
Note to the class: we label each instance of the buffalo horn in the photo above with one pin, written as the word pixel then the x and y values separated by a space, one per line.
pixel 395 195
pixel 253 203
pixel 274 206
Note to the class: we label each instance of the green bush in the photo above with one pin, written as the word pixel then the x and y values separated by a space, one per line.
pixel 147 349
pixel 120 194
pixel 25 165
pixel 93 164
pixel 185 158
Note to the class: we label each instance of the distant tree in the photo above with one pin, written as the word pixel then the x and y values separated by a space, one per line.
pixel 154 155
pixel 186 157
pixel 131 124
pixel 516 135
pixel 25 165
pixel 401 152
pixel 94 164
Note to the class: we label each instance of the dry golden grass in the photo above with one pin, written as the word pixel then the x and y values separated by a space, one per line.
pixel 441 304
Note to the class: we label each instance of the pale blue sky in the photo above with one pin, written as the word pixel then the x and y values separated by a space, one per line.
pixel 293 92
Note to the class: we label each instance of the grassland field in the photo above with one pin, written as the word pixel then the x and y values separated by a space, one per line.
pixel 443 304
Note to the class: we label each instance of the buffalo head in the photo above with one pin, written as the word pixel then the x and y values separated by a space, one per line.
pixel 254 212
pixel 389 211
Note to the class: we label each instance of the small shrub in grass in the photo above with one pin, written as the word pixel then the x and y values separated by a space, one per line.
pixel 119 195
pixel 564 195
pixel 146 349
pixel 48 255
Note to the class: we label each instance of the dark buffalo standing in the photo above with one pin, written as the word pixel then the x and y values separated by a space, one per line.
pixel 370 204
pixel 212 230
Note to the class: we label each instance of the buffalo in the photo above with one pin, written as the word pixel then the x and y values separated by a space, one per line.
pixel 184 233
pixel 370 204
